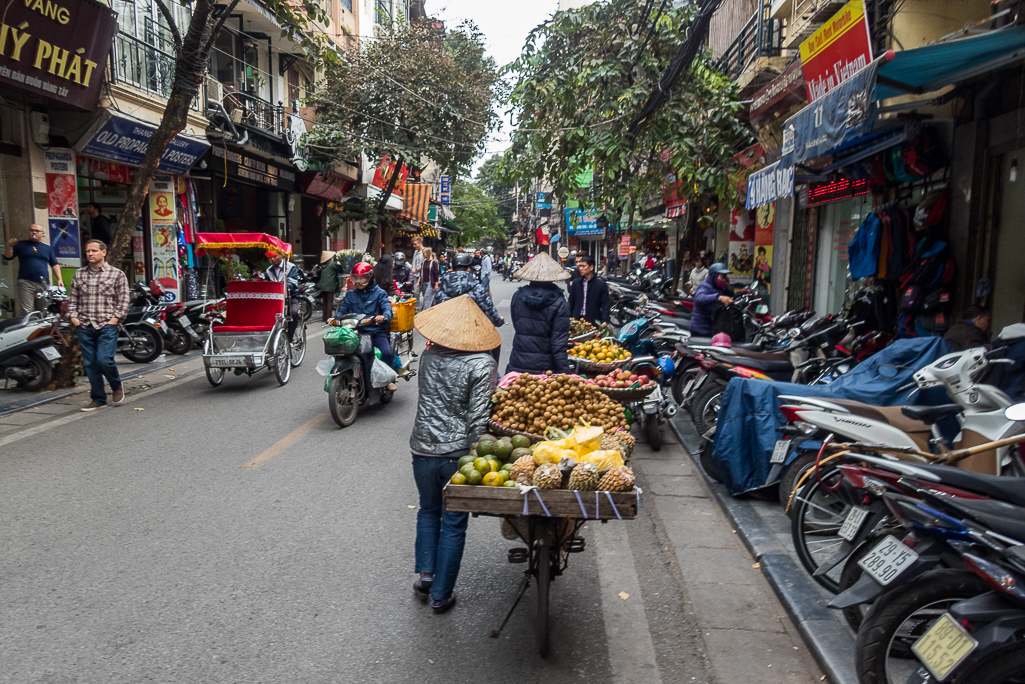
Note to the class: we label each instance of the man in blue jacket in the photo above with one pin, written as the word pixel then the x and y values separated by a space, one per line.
pixel 371 302
pixel 712 294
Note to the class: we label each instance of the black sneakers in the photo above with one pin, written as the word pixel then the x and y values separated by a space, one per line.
pixel 422 588
pixel 440 607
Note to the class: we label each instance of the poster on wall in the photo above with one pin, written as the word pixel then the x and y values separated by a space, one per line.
pixel 765 227
pixel 62 206
pixel 742 245
pixel 164 235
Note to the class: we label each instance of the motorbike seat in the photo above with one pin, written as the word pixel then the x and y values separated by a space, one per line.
pixel 999 516
pixel 930 414
pixel 757 355
pixel 1003 488
pixel 763 365
pixel 11 323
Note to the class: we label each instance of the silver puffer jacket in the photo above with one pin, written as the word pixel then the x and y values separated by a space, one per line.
pixel 455 400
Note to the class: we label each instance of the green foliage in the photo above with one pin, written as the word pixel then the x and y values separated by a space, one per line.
pixel 585 74
pixel 415 94
pixel 501 192
pixel 476 213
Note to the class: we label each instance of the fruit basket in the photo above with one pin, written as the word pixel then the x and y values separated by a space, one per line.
pixel 624 394
pixel 583 338
pixel 585 366
pixel 560 503
pixel 499 429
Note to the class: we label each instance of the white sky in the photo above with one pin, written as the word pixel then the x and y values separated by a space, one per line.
pixel 505 27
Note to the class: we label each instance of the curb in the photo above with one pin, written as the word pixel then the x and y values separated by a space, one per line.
pixel 830 642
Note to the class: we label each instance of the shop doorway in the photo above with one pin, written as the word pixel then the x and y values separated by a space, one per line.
pixel 833 280
pixel 313 218
pixel 1009 258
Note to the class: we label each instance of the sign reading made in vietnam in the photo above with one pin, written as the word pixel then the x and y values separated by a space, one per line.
pixel 56 48
pixel 836 51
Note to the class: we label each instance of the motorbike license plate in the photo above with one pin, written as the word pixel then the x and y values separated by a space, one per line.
pixel 184 320
pixel 944 646
pixel 779 452
pixel 656 394
pixel 50 353
pixel 852 524
pixel 887 560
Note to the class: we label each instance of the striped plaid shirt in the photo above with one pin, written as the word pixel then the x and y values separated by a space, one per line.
pixel 97 296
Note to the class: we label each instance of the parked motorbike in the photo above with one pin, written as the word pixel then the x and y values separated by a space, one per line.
pixel 658 364
pixel 140 336
pixel 27 352
pixel 307 294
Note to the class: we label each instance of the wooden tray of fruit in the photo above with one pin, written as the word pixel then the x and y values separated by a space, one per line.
pixel 560 503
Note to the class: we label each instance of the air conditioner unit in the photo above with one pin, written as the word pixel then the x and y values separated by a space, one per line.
pixel 214 90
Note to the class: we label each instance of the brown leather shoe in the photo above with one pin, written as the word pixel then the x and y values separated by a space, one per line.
pixel 118 396
pixel 92 406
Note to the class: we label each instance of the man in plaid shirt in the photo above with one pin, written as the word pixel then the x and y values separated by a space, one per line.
pixel 98 301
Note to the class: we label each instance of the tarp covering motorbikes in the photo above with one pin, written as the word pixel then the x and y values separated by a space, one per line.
pixel 746 427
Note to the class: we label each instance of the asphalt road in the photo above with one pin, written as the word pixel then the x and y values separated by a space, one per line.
pixel 137 546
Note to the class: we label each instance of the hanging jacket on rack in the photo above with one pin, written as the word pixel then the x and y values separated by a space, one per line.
pixel 863 252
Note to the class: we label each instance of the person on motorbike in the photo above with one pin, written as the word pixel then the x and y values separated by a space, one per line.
pixel 460 281
pixel 402 273
pixel 370 301
pixel 284 271
pixel 712 295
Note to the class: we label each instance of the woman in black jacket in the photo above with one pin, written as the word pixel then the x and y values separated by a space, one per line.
pixel 383 275
pixel 540 316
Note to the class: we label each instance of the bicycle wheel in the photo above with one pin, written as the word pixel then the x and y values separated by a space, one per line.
pixel 215 376
pixel 299 345
pixel 815 527
pixel 544 579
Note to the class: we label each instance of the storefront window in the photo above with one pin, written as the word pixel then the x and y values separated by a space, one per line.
pixel 833 284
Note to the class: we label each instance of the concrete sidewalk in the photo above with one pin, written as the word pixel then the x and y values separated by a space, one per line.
pixel 748 636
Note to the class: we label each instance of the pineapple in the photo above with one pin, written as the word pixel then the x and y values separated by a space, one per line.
pixel 584 477
pixel 522 471
pixel 547 476
pixel 617 479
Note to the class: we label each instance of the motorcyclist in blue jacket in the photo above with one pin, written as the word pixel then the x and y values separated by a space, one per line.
pixel 370 301
pixel 712 294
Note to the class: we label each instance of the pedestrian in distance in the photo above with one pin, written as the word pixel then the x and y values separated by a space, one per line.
pixel 443 263
pixel 457 378
pixel 97 303
pixel 99 225
pixel 428 277
pixel 327 283
pixel 402 273
pixel 384 275
pixel 460 281
pixel 540 315
pixel 486 268
pixel 698 274
pixel 35 261
pixel 588 294
pixel 713 294
pixel 417 263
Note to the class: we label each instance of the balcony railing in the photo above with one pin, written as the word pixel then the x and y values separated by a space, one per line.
pixel 254 112
pixel 762 36
pixel 143 66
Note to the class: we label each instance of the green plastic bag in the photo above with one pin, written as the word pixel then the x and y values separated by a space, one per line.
pixel 340 341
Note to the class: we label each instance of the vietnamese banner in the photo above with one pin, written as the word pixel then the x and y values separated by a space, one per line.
pixel 62 206
pixel 765 228
pixel 836 51
pixel 768 185
pixel 164 235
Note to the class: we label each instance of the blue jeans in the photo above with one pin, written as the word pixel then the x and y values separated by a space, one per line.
pixel 440 534
pixel 486 282
pixel 98 347
pixel 380 340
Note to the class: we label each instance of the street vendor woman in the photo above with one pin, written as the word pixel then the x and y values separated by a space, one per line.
pixel 457 377
pixel 369 300
pixel 540 315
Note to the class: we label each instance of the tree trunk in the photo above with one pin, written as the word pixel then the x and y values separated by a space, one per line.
pixel 680 233
pixel 376 232
pixel 188 74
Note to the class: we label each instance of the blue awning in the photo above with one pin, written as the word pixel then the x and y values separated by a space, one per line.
pixel 932 67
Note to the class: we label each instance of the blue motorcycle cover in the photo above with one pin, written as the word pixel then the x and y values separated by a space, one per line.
pixel 746 428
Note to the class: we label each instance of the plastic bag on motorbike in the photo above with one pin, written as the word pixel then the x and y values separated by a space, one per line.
pixel 340 341
pixel 381 375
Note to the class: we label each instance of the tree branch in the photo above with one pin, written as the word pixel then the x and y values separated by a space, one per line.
pixel 218 25
pixel 166 12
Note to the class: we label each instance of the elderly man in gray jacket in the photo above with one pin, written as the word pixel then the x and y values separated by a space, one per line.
pixel 457 377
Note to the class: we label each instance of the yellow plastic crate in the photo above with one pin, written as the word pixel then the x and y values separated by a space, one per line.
pixel 402 315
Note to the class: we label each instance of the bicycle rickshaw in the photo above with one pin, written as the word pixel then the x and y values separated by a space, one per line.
pixel 255 330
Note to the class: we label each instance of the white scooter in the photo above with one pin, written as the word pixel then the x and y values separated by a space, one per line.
pixel 979 409
pixel 27 354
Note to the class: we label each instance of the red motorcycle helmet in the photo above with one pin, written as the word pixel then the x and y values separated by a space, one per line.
pixel 362 269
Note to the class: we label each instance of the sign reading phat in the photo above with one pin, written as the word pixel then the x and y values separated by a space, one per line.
pixel 56 48
pixel 836 51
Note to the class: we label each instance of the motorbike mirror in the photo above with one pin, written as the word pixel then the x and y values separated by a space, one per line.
pixel 889 371
pixel 761 309
pixel 1016 412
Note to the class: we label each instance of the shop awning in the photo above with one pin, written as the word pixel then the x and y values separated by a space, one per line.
pixel 932 67
pixel 120 139
pixel 447 226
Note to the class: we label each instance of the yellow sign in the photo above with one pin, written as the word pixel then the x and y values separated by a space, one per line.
pixel 838 25
pixel 836 51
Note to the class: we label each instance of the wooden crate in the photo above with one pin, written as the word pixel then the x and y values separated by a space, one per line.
pixel 561 503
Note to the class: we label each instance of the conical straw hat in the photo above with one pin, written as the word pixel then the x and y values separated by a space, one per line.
pixel 326 256
pixel 542 268
pixel 458 324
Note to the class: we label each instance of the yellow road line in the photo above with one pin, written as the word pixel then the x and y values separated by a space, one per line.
pixel 285 442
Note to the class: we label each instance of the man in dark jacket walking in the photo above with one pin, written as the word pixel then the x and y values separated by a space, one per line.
pixel 589 295
pixel 460 281
pixel 713 293
pixel 540 315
